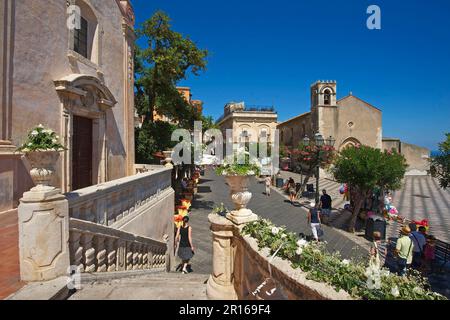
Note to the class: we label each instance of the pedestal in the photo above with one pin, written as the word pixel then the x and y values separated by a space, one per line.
pixel 220 285
pixel 43 236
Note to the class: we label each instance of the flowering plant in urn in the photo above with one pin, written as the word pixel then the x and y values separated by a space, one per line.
pixel 237 175
pixel 42 148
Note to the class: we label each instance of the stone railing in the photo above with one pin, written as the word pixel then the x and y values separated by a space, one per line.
pixel 111 202
pixel 240 268
pixel 126 224
pixel 97 248
pixel 144 168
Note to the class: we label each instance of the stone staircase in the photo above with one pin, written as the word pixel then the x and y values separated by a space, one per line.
pixel 135 285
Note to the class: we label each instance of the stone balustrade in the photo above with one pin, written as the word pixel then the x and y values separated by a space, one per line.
pixel 97 248
pixel 125 224
pixel 111 202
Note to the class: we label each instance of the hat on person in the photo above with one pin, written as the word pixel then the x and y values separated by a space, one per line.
pixel 406 230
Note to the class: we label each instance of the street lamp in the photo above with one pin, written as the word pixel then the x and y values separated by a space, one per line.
pixel 319 141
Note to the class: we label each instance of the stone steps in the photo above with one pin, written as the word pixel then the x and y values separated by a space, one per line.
pixel 156 286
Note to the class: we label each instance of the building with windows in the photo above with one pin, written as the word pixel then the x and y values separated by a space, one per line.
pixel 185 92
pixel 350 121
pixel 69 66
pixel 248 124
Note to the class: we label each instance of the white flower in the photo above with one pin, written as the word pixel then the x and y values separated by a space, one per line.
pixel 40 126
pixel 299 251
pixel 275 231
pixel 283 236
pixel 30 144
pixel 346 262
pixel 47 131
pixel 395 292
pixel 302 243
pixel 417 290
pixel 57 137
pixel 34 133
pixel 54 140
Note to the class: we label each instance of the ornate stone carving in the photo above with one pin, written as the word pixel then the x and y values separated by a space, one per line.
pixel 241 197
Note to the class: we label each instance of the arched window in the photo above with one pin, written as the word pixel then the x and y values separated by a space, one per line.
pixel 327 97
pixel 85 38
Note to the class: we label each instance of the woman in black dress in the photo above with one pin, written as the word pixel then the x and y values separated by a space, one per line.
pixel 185 247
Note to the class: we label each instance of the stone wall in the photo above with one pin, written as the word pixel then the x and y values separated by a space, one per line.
pixel 292 284
pixel 42 44
pixel 417 159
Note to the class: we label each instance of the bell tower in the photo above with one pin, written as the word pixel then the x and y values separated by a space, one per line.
pixel 324 107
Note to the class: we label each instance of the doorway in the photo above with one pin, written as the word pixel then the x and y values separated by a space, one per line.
pixel 82 141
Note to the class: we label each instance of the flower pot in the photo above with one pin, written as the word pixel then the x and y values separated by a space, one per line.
pixel 240 195
pixel 43 168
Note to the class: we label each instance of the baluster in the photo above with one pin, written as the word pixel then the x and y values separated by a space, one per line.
pixel 101 254
pixel 135 256
pixel 151 258
pixel 141 256
pixel 76 250
pixel 129 256
pixel 121 255
pixel 111 254
pixel 145 257
pixel 89 253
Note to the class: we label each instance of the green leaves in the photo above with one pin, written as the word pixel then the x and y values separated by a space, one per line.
pixel 440 164
pixel 41 139
pixel 322 266
pixel 167 59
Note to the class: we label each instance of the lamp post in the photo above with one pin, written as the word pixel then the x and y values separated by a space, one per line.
pixel 319 141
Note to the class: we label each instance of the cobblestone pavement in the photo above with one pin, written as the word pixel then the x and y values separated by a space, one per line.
pixel 213 191
pixel 420 198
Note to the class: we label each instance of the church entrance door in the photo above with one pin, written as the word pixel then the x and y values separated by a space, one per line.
pixel 82 153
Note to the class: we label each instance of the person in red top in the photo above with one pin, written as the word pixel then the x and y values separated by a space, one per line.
pixel 429 254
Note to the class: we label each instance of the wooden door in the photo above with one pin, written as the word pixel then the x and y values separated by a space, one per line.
pixel 82 153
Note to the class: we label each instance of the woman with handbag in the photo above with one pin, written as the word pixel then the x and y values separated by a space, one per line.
pixel 185 247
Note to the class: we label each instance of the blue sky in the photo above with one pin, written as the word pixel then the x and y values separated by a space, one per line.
pixel 270 52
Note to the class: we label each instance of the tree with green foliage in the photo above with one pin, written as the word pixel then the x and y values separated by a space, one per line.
pixel 310 157
pixel 440 164
pixel 167 59
pixel 365 169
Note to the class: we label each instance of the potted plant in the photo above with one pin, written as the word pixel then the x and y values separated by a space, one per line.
pixel 237 176
pixel 42 149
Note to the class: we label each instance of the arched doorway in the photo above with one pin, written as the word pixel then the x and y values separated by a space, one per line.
pixel 85 103
pixel 348 143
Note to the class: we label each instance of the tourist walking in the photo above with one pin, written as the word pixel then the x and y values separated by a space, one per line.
pixel 378 250
pixel 419 242
pixel 325 206
pixel 404 251
pixel 292 189
pixel 268 182
pixel 185 246
pixel 315 222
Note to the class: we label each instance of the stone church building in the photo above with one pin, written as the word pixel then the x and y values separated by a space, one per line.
pixel 350 121
pixel 77 81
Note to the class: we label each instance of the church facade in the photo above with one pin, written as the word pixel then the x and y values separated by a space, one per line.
pixel 67 65
pixel 350 121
